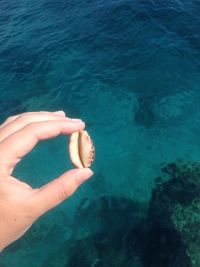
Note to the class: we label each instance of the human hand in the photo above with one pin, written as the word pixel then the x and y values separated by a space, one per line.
pixel 21 205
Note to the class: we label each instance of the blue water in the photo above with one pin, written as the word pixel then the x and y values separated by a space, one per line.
pixel 130 70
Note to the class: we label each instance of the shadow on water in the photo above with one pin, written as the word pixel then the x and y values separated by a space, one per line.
pixel 144 115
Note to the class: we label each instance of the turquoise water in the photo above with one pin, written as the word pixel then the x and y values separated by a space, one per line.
pixel 130 70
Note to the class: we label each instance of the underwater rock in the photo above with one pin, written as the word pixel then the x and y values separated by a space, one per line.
pixel 105 235
pixel 108 215
pixel 173 238
pixel 112 221
pixel 114 231
pixel 187 221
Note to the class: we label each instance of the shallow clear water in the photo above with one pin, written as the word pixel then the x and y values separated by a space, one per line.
pixel 130 70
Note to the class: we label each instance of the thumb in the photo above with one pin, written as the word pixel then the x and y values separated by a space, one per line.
pixel 56 191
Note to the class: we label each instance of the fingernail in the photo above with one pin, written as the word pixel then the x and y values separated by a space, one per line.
pixel 59 112
pixel 83 175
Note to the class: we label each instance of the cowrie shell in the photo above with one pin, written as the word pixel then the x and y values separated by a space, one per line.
pixel 81 149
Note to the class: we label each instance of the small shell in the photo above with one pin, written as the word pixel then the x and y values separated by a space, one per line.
pixel 81 149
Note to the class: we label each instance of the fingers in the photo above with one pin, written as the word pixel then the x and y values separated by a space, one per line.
pixel 12 124
pixel 18 144
pixel 53 193
pixel 12 118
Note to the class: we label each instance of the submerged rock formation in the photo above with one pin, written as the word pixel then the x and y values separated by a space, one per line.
pixel 105 235
pixel 116 232
pixel 173 237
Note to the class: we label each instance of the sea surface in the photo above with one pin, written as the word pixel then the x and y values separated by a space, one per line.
pixel 131 71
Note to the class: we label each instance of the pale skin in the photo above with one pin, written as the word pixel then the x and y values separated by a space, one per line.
pixel 21 205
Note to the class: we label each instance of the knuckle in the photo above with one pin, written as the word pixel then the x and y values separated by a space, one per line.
pixel 10 119
pixel 31 126
pixel 23 118
pixel 65 192
pixel 43 112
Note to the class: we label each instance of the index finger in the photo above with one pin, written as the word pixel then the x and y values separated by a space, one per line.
pixel 17 145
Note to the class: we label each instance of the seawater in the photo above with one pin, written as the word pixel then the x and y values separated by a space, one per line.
pixel 130 70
